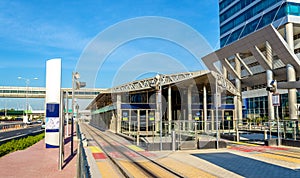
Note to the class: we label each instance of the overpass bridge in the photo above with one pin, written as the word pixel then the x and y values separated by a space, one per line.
pixel 40 92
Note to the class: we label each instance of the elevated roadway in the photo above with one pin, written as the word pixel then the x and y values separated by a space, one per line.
pixel 40 92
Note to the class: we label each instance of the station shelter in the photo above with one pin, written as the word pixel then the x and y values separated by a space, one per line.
pixel 187 102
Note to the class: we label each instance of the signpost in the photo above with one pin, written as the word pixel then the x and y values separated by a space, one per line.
pixel 273 86
pixel 276 103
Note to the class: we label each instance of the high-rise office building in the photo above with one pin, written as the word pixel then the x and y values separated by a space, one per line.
pixel 260 42
pixel 239 18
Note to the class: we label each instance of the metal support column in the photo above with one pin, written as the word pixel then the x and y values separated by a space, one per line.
pixel 292 95
pixel 270 105
pixel 205 108
pixel 289 35
pixel 119 113
pixel 189 99
pixel 169 109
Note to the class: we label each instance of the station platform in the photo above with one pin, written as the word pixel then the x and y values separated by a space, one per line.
pixel 37 161
pixel 235 161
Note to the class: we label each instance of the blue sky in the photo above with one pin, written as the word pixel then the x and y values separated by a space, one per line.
pixel 36 30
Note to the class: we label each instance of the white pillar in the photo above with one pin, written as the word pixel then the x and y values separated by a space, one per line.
pixel 237 66
pixel 238 100
pixel 225 72
pixel 169 109
pixel 53 101
pixel 270 104
pixel 292 95
pixel 238 86
pixel 158 116
pixel 289 35
pixel 205 108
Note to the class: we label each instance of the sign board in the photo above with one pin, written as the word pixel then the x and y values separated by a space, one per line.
pixel 125 116
pixel 52 117
pixel 151 116
pixel 276 99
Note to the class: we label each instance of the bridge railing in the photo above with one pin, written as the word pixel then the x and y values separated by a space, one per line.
pixel 4 127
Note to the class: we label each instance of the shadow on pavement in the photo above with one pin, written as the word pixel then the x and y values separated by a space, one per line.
pixel 69 159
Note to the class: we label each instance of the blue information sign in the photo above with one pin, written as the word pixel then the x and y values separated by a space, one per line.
pixel 52 110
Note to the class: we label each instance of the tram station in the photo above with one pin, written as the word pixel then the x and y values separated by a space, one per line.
pixel 186 102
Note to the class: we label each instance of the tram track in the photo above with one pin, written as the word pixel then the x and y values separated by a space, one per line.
pixel 129 161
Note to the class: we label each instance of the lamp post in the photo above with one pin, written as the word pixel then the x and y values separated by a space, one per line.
pixel 76 85
pixel 27 82
pixel 272 87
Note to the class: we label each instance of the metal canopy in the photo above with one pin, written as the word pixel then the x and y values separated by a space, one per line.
pixel 252 44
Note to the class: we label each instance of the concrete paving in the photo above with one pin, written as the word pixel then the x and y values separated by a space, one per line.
pixel 235 161
pixel 37 161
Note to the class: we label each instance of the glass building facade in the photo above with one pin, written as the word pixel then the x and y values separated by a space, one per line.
pixel 256 109
pixel 239 18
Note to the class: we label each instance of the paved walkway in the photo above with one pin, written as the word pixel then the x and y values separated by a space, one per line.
pixel 242 160
pixel 37 161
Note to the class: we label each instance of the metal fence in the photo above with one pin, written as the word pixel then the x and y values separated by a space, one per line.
pixel 208 130
pixel 181 132
pixel 288 129
pixel 83 169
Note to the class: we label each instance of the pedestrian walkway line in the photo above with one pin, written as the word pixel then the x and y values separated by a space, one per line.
pixel 278 157
pixel 184 169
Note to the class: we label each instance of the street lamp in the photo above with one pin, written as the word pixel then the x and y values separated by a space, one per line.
pixel 276 102
pixel 27 82
pixel 76 85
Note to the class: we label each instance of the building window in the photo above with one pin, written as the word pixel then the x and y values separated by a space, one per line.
pixel 293 9
pixel 268 18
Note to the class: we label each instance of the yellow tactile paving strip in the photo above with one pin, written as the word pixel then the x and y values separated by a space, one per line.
pixel 159 172
pixel 133 170
pixel 136 172
pixel 294 155
pixel 184 169
pixel 106 170
pixel 95 149
pixel 246 144
pixel 135 148
pixel 278 157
